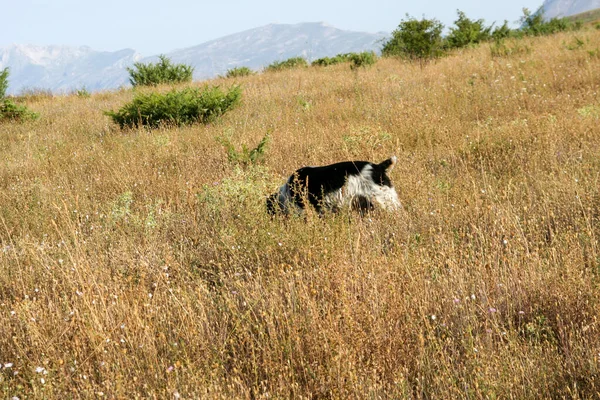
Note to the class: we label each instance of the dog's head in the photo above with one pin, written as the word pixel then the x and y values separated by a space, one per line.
pixel 385 194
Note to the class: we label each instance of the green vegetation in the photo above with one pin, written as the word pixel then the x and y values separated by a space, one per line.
pixel 3 82
pixel 533 24
pixel 422 39
pixel 467 32
pixel 326 61
pixel 9 109
pixel 239 71
pixel 364 59
pixel 152 74
pixel 177 107
pixel 294 62
pixel 246 156
pixel 416 39
pixel 83 92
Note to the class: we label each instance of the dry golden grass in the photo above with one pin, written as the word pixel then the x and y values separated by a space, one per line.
pixel 139 264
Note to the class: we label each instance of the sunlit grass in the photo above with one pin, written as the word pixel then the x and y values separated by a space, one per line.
pixel 142 263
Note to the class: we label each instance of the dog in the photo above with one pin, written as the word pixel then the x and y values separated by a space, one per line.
pixel 361 185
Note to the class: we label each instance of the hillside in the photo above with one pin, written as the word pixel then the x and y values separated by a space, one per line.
pixel 257 48
pixel 567 8
pixel 587 17
pixel 63 69
pixel 142 264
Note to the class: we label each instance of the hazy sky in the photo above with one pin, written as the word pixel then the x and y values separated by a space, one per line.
pixel 152 27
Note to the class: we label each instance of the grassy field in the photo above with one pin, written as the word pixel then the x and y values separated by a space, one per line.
pixel 141 264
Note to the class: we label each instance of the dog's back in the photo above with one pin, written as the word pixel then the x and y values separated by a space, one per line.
pixel 358 184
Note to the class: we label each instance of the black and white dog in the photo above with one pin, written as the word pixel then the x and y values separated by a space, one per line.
pixel 358 184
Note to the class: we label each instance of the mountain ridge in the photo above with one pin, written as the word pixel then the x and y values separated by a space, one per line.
pixel 567 8
pixel 65 69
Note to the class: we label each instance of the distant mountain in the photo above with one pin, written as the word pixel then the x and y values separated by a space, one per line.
pixel 64 69
pixel 257 48
pixel 566 8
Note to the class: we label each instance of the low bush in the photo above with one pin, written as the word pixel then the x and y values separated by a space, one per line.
pixel 246 156
pixel 177 107
pixel 11 111
pixel 152 74
pixel 238 71
pixel 364 59
pixel 533 24
pixel 326 61
pixel 293 62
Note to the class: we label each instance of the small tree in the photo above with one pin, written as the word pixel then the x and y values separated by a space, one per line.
pixel 416 39
pixel 502 32
pixel 238 71
pixel 533 24
pixel 467 32
pixel 164 71
pixel 364 59
pixel 293 62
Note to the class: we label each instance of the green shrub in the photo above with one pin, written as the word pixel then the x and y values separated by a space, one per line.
pixel 364 59
pixel 416 39
pixel 11 111
pixel 326 61
pixel 177 107
pixel 467 32
pixel 501 32
pixel 239 71
pixel 293 62
pixel 246 156
pixel 3 82
pixel 534 24
pixel 164 71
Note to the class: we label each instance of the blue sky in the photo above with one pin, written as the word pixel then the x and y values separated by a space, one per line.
pixel 153 27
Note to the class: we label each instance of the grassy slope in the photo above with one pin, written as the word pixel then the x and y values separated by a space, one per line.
pixel 587 17
pixel 141 264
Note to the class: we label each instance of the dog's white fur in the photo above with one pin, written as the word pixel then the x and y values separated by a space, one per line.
pixel 363 186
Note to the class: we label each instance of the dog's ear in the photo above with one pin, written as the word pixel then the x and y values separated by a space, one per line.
pixel 389 163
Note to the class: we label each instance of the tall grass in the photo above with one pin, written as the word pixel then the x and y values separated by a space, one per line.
pixel 142 263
